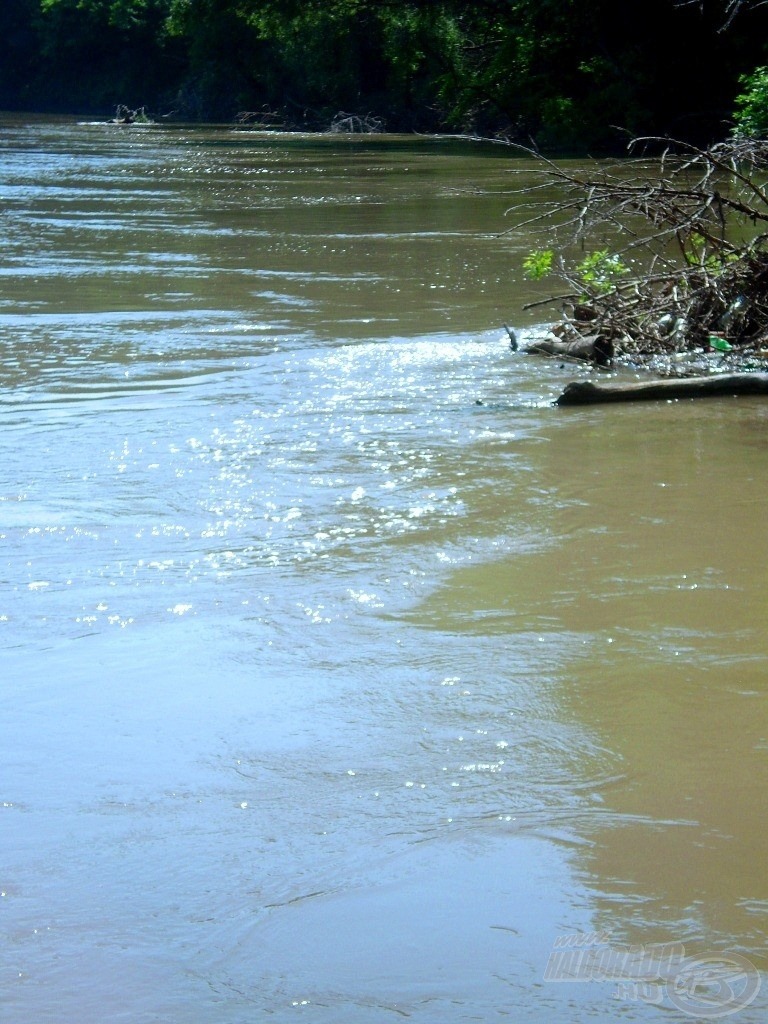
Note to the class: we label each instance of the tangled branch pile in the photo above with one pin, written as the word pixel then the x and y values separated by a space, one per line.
pixel 366 124
pixel 683 263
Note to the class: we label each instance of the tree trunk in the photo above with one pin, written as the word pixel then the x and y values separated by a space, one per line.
pixel 585 392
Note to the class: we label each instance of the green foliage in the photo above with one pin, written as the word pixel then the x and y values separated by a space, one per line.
pixel 94 54
pixel 697 252
pixel 711 255
pixel 601 270
pixel 751 113
pixel 598 273
pixel 538 264
pixel 560 73
pixel 110 10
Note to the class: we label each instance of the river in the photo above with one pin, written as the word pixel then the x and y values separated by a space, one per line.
pixel 346 679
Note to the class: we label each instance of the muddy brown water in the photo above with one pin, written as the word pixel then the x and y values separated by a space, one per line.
pixel 344 677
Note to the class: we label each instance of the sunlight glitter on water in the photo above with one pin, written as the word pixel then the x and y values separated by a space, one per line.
pixel 342 672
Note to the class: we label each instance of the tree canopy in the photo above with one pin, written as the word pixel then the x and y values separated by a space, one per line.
pixel 562 74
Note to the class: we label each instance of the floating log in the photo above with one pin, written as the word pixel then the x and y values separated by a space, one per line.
pixel 590 347
pixel 586 392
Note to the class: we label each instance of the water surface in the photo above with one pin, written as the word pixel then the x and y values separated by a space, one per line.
pixel 343 675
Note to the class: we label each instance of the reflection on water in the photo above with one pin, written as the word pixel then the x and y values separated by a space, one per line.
pixel 654 564
pixel 343 674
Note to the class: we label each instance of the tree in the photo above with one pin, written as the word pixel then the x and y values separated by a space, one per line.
pixel 563 73
pixel 96 53
pixel 18 46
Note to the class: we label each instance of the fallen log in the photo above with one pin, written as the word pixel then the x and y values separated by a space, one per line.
pixel 586 392
pixel 590 347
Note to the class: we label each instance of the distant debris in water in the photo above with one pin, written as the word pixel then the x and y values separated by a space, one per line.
pixel 125 115
pixel 513 342
pixel 365 124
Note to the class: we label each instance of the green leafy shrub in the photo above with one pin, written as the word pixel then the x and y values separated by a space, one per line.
pixel 751 113
pixel 601 270
pixel 538 264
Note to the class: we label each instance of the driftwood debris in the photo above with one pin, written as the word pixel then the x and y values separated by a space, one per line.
pixel 660 255
pixel 125 115
pixel 592 348
pixel 586 392
pixel 356 124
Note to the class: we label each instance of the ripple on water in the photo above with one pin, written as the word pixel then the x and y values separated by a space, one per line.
pixel 316 620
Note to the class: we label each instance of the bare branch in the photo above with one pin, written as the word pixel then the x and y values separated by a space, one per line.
pixel 705 205
pixel 731 8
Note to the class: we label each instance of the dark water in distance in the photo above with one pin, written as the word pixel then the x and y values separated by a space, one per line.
pixel 343 677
